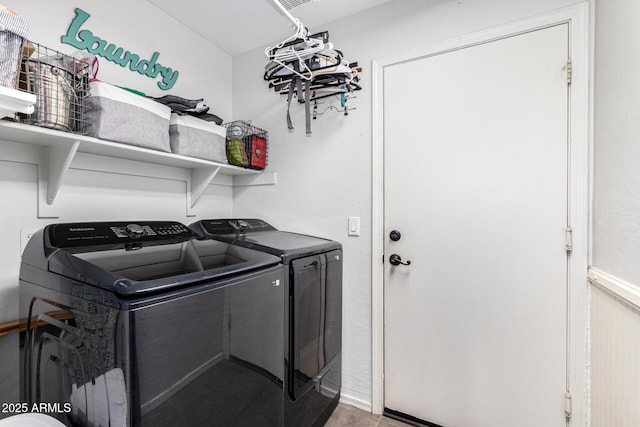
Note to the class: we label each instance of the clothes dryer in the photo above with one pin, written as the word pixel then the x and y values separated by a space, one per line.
pixel 139 324
pixel 313 324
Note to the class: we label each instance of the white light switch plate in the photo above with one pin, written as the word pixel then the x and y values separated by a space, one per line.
pixel 354 226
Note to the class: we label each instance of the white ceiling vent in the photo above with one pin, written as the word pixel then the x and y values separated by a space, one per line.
pixel 290 4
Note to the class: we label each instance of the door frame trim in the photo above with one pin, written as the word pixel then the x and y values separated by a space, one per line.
pixel 580 170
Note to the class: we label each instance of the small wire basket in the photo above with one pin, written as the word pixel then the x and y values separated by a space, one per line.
pixel 61 85
pixel 246 145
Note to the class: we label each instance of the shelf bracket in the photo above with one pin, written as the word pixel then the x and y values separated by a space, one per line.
pixel 51 171
pixel 200 180
pixel 264 178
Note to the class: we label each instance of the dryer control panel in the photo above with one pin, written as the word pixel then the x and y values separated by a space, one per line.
pixel 217 227
pixel 113 233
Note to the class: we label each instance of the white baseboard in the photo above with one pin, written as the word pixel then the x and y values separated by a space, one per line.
pixel 355 402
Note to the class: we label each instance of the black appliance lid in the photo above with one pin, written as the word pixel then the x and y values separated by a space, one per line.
pixel 259 235
pixel 132 259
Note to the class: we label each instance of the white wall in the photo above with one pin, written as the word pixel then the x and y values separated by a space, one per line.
pixel 326 177
pixel 616 199
pixel 616 215
pixel 123 190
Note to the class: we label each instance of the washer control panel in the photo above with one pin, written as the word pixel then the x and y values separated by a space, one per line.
pixel 114 233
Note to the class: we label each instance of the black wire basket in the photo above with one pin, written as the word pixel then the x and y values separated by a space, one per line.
pixel 61 85
pixel 246 145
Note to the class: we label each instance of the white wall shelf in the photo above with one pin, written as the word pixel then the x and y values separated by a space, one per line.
pixel 62 147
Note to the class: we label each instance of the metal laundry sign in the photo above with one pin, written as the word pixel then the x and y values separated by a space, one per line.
pixel 85 40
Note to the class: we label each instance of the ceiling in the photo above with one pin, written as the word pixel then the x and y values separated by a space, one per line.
pixel 237 26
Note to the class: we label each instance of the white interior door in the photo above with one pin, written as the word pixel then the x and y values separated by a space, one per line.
pixel 476 181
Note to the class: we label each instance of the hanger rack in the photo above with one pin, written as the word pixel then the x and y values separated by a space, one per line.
pixel 286 13
pixel 307 67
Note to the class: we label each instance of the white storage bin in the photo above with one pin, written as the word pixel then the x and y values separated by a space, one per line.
pixel 118 115
pixel 194 137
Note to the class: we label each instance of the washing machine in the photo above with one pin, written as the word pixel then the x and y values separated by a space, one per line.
pixel 140 324
pixel 313 325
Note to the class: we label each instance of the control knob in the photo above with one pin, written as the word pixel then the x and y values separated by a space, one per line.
pixel 134 230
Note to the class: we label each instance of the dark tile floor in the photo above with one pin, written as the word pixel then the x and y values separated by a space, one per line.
pixel 349 416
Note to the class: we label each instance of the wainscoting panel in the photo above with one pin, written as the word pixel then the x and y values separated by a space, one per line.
pixel 615 351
